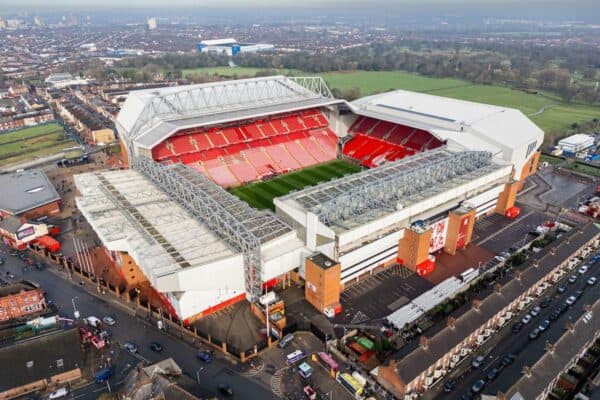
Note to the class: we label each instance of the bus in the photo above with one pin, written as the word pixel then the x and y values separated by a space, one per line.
pixel 350 384
pixel 305 370
pixel 328 362
pixel 294 357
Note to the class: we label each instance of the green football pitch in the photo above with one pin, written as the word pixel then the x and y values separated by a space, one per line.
pixel 261 194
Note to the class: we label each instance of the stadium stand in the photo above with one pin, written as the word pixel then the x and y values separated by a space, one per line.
pixel 375 141
pixel 249 151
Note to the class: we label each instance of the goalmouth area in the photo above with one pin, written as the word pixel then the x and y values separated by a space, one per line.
pixel 260 195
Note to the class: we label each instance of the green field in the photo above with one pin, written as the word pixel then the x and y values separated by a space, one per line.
pixel 550 113
pixel 30 143
pixel 261 194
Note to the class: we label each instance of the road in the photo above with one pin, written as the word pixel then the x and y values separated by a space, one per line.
pixel 527 351
pixel 61 292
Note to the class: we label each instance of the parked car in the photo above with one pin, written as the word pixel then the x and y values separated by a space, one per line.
pixel 572 279
pixel 544 325
pixel 526 319
pixel 225 389
pixel 477 361
pixel 517 327
pixel 155 346
pixel 108 320
pixel 546 302
pixel 478 386
pixel 592 281
pixel 449 386
pixel 535 311
pixel 130 347
pixel 103 375
pixel 204 356
pixel 571 300
pixel 583 269
pixel 578 294
pixel 561 289
pixel 500 258
pixel 555 314
pixel 59 394
pixel 285 341
pixel 507 360
pixel 492 374
pixel 534 334
pixel 1 261
pixel 40 266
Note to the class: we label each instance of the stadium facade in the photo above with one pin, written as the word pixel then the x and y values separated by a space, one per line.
pixel 432 165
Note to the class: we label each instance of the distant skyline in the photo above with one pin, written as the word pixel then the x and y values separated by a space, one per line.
pixel 479 4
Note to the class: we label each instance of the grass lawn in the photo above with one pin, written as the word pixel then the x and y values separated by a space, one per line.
pixel 230 71
pixel 554 120
pixel 260 195
pixel 585 169
pixel 551 159
pixel 30 143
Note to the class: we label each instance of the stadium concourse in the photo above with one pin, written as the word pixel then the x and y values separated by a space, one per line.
pixel 430 167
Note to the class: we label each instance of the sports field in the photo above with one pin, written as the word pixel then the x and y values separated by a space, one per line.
pixel 261 194
pixel 546 110
pixel 29 143
pixel 231 71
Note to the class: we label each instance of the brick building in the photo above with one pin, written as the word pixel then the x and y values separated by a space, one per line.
pixel 19 300
pixel 412 375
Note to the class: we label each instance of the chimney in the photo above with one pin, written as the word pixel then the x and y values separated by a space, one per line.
pixel 476 303
pixel 451 322
pixel 550 347
pixel 570 326
pixel 497 288
pixel 424 342
pixel 526 371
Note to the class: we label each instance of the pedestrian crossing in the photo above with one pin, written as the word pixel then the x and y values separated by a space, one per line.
pixel 276 382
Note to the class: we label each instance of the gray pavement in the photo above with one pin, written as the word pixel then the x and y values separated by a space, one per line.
pixel 61 292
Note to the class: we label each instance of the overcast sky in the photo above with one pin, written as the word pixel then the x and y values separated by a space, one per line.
pixel 481 4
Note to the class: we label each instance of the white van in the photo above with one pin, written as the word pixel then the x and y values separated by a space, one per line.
pixel 93 321
pixel 58 394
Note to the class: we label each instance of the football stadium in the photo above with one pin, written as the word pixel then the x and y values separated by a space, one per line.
pixel 235 186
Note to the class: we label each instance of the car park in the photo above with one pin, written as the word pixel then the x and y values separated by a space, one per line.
pixel 534 334
pixel 592 281
pixel 535 311
pixel 571 300
pixel 477 361
pixel 544 325
pixel 130 347
pixel 449 386
pixel 526 319
pixel 478 386
pixel 583 269
pixel 561 289
pixel 492 374
pixel 572 279
pixel 155 346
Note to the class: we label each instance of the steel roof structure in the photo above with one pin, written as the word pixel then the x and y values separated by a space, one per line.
pixel 150 116
pixel 367 195
pixel 238 224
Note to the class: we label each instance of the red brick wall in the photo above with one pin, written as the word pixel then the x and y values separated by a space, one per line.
pixel 23 303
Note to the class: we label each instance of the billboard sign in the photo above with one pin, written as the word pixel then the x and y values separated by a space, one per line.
pixel 438 235
pixel 461 238
pixel 23 233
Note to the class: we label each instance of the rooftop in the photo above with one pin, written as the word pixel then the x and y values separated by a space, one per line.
pixel 49 354
pixel 129 213
pixel 322 260
pixel 16 288
pixel 411 366
pixel 24 191
pixel 150 116
pixel 552 363
pixel 360 198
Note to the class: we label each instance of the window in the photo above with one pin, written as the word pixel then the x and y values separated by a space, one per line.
pixel 532 146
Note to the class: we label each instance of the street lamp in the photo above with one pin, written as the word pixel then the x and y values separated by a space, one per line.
pixel 198 374
pixel 75 312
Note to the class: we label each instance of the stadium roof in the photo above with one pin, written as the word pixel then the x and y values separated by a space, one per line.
pixel 356 199
pixel 150 116
pixel 24 191
pixel 129 213
pixel 475 126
